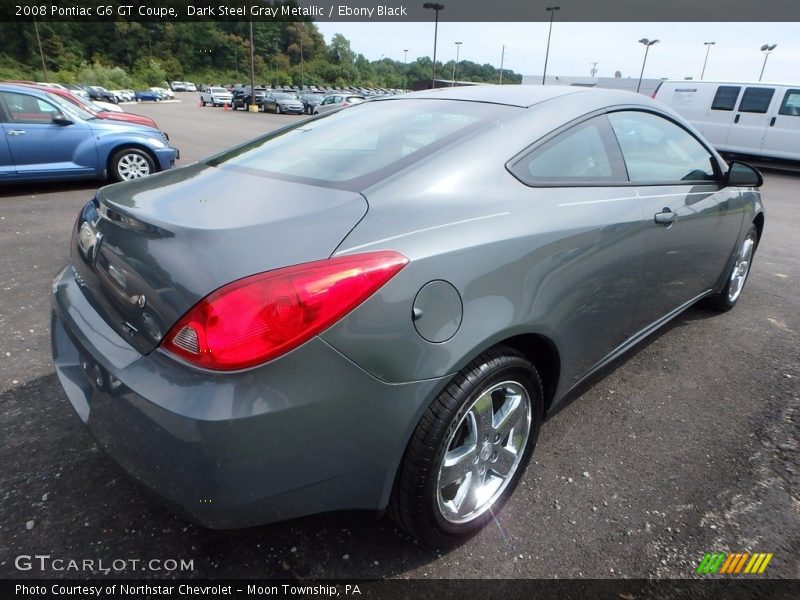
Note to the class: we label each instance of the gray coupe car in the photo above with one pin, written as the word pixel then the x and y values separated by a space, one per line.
pixel 390 299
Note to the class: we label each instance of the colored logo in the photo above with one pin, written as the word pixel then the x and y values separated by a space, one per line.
pixel 733 563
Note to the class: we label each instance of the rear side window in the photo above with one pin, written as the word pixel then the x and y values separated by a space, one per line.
pixel 791 104
pixel 756 100
pixel 656 150
pixel 725 98
pixel 583 154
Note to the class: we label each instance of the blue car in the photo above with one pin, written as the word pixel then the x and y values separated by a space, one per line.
pixel 147 96
pixel 45 137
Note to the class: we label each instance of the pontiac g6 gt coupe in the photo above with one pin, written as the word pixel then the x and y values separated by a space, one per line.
pixel 390 298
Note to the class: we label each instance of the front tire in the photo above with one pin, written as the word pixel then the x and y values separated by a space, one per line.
pixel 131 163
pixel 277 109
pixel 469 449
pixel 737 276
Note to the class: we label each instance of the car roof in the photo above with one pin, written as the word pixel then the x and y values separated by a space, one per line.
pixel 522 96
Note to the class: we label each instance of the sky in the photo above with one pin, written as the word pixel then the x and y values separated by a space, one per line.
pixel 574 47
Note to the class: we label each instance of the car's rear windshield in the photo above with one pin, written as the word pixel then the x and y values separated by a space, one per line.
pixel 355 147
pixel 284 96
pixel 219 91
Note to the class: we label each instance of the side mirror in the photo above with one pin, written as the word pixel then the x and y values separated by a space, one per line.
pixel 743 175
pixel 62 119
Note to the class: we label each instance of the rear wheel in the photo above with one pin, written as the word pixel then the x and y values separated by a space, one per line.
pixel 470 448
pixel 277 109
pixel 131 163
pixel 737 277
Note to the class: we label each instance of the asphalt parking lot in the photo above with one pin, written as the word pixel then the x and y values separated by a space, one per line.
pixel 688 444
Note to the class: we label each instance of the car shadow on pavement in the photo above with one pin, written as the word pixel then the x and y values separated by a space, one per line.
pixel 42 188
pixel 63 496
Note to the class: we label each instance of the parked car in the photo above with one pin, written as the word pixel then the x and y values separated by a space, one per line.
pixel 100 93
pixel 759 120
pixel 280 102
pixel 165 93
pixel 390 299
pixel 310 102
pixel 97 111
pixel 178 86
pixel 241 97
pixel 147 96
pixel 49 138
pixel 337 101
pixel 77 90
pixel 216 96
pixel 190 87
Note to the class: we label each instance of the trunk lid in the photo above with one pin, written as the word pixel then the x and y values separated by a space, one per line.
pixel 146 251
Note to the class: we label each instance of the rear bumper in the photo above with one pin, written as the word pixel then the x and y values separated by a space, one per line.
pixel 309 432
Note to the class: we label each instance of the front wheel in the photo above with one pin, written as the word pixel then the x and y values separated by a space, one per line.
pixel 470 448
pixel 277 109
pixel 737 277
pixel 131 163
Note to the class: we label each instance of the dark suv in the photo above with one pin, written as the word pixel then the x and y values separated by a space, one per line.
pixel 241 97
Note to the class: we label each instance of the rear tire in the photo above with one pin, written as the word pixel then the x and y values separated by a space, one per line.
pixel 480 433
pixel 737 276
pixel 277 109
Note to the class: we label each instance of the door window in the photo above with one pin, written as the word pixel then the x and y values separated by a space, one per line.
pixel 22 108
pixel 583 154
pixel 725 98
pixel 657 150
pixel 756 100
pixel 791 104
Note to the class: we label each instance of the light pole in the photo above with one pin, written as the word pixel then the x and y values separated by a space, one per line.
pixel 552 10
pixel 766 49
pixel 405 69
pixel 41 52
pixel 436 7
pixel 502 58
pixel 708 49
pixel 647 43
pixel 455 64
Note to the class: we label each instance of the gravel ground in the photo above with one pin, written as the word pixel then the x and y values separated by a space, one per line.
pixel 685 445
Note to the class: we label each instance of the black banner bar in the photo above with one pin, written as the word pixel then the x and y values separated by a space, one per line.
pixel 399 10
pixel 399 589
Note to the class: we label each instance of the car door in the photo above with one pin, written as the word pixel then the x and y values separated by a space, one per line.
pixel 782 139
pixel 718 120
pixel 691 219
pixel 751 120
pixel 41 147
pixel 597 253
pixel 7 169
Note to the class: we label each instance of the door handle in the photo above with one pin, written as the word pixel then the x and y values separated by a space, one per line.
pixel 666 217
pixel 736 118
pixel 772 122
pixel 17 132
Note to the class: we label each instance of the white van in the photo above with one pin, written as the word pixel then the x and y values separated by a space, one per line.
pixel 755 119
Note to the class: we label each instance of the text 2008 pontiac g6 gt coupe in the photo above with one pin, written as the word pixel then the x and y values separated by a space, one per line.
pixel 390 298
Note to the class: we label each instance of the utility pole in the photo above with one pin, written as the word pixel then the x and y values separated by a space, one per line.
pixel 455 64
pixel 405 69
pixel 593 70
pixel 502 58
pixel 252 71
pixel 705 62
pixel 41 52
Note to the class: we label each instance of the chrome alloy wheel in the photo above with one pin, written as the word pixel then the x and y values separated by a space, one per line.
pixel 484 452
pixel 132 166
pixel 742 267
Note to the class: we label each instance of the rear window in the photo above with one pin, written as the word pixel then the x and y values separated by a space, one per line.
pixel 756 100
pixel 725 98
pixel 219 91
pixel 353 148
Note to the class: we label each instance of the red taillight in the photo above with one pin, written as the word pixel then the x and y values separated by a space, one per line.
pixel 255 319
